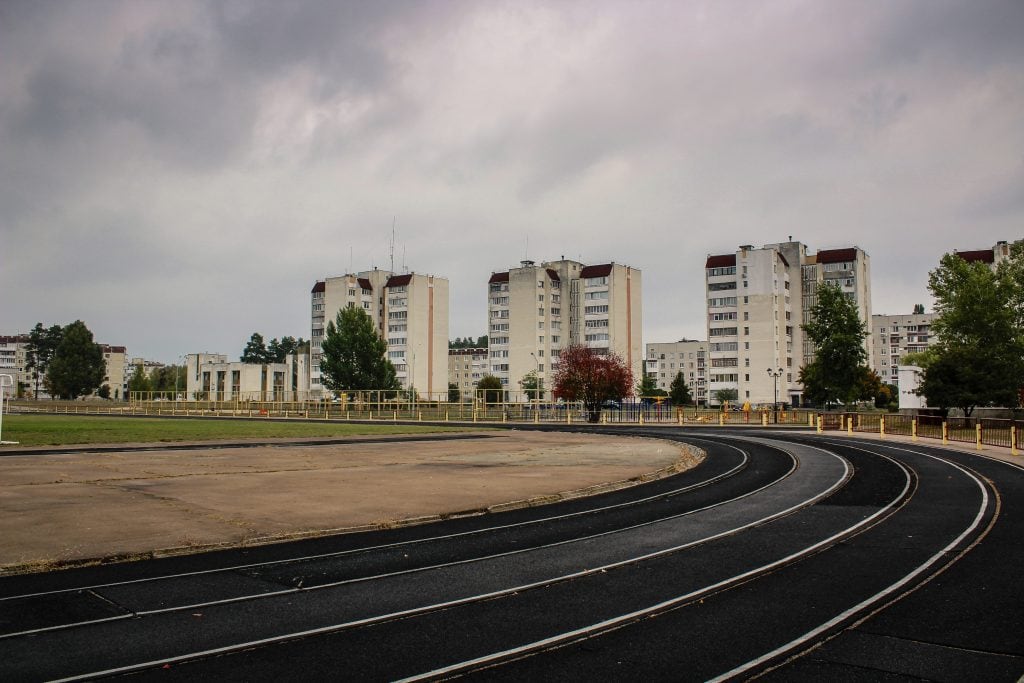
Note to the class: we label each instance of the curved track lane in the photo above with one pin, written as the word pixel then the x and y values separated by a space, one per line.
pixel 788 556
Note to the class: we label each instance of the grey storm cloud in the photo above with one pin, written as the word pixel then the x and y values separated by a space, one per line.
pixel 178 174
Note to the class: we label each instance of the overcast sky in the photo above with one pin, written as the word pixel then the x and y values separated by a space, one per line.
pixel 179 174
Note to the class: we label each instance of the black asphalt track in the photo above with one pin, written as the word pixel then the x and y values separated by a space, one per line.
pixel 905 570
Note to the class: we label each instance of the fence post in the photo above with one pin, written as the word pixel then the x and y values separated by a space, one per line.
pixel 849 425
pixel 536 416
pixel 764 419
pixel 604 418
pixel 420 416
pixel 881 426
pixel 945 433
pixel 641 417
pixel 721 419
pixel 474 414
pixel 445 415
pixel 913 429
pixel 504 416
pixel 977 431
pixel 679 415
pixel 568 415
pixel 1013 439
pixel 819 424
pixel 810 419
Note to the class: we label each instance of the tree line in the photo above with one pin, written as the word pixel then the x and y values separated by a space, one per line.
pixel 276 351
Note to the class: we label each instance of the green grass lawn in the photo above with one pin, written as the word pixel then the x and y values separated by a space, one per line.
pixel 40 430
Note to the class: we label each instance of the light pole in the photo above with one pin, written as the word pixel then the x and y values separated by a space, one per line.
pixel 775 374
pixel 536 384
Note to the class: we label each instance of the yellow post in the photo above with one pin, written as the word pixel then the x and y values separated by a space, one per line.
pixel 810 419
pixel 504 416
pixel 536 416
pixel 858 420
pixel 445 415
pixel 881 426
pixel 394 417
pixel 641 418
pixel 721 419
pixel 1013 439
pixel 420 416
pixel 371 415
pixel 568 415
pixel 977 431
pixel 913 429
pixel 849 426
pixel 945 434
pixel 474 414
pixel 679 414
pixel 819 424
pixel 764 419
pixel 604 418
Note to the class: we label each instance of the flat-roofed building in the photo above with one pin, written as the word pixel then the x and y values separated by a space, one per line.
pixel 993 257
pixel 688 356
pixel 211 377
pixel 894 337
pixel 466 367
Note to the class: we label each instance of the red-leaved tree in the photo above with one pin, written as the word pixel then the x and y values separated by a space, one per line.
pixel 585 375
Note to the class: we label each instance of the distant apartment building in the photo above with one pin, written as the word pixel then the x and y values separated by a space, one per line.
pixel 410 312
pixel 115 359
pixel 466 367
pixel 13 361
pixel 993 257
pixel 211 377
pixel 535 311
pixel 894 337
pixel 757 300
pixel 690 357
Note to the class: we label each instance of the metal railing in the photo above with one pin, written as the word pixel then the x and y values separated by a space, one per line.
pixel 979 431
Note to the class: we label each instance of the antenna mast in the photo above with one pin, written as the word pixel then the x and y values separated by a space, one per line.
pixel 393 243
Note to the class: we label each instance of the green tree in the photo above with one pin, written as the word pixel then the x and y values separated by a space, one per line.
pixel 77 368
pixel 724 396
pixel 679 391
pixel 490 389
pixel 454 395
pixel 838 369
pixel 41 347
pixel 256 351
pixel 482 342
pixel 647 386
pixel 532 385
pixel 354 355
pixel 139 381
pixel 104 391
pixel 979 356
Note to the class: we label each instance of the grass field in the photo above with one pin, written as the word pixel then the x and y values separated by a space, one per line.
pixel 40 430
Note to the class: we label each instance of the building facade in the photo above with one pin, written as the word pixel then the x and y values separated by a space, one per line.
pixel 409 311
pixel 993 257
pixel 894 337
pixel 211 377
pixel 115 358
pixel 688 356
pixel 535 311
pixel 757 300
pixel 13 361
pixel 466 367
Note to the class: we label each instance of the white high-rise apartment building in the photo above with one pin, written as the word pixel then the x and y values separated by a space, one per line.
pixel 757 299
pixel 466 367
pixel 410 312
pixel 688 356
pixel 536 311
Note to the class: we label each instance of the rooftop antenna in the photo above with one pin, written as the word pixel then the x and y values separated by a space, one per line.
pixel 393 219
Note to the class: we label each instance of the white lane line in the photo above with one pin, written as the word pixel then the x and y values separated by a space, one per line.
pixel 632 616
pixel 485 596
pixel 386 546
pixel 864 604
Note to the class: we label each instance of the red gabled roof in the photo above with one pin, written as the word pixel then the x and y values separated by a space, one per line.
pixel 498 277
pixel 398 280
pixel 596 271
pixel 318 287
pixel 837 255
pixel 982 256
pixel 553 274
pixel 365 283
pixel 721 261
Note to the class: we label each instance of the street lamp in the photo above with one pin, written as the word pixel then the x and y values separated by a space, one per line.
pixel 536 384
pixel 775 374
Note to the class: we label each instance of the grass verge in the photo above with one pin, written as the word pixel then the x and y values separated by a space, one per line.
pixel 62 430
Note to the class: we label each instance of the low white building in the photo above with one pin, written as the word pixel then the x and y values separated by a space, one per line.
pixel 211 377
